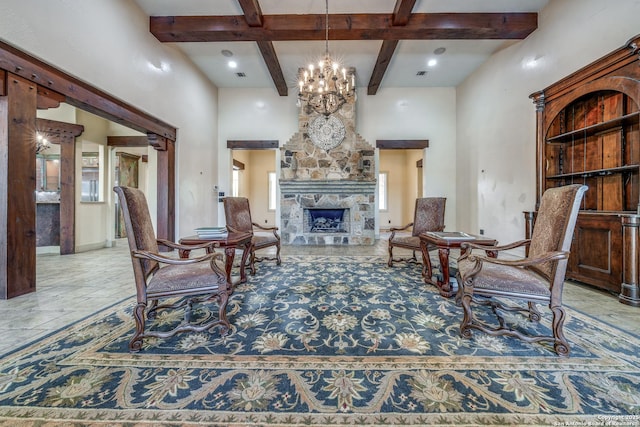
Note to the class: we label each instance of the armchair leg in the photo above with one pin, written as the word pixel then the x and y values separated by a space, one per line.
pixel 534 313
pixel 390 262
pixel 138 314
pixel 278 260
pixel 223 299
pixel 467 319
pixel 252 261
pixel 560 345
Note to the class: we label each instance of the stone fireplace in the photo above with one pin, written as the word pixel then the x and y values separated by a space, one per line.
pixel 327 182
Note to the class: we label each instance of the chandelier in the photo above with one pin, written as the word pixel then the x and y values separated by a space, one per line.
pixel 325 87
pixel 42 143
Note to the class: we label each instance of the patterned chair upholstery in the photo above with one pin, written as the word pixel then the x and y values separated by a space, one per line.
pixel 238 218
pixel 182 281
pixel 538 278
pixel 428 215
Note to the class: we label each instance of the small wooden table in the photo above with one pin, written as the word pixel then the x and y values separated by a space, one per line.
pixel 445 241
pixel 230 243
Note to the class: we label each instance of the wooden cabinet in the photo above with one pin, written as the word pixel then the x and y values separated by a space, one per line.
pixel 588 132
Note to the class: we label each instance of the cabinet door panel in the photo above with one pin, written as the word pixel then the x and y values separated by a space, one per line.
pixel 592 112
pixel 611 104
pixel 631 192
pixel 574 161
pixel 593 153
pixel 612 149
pixel 596 252
pixel 553 155
pixel 611 192
pixel 590 199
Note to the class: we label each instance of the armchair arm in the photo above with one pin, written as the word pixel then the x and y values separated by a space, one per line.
pixel 264 228
pixel 174 245
pixel 176 261
pixel 394 229
pixel 495 248
pixel 524 262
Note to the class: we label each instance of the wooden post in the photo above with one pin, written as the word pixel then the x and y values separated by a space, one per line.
pixel 17 187
pixel 68 196
pixel 630 288
pixel 166 187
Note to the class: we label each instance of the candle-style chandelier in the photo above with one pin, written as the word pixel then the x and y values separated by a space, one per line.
pixel 326 86
pixel 42 143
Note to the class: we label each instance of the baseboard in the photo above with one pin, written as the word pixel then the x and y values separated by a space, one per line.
pixel 47 250
pixel 93 246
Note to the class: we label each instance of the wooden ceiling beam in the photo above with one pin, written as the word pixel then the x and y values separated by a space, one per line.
pixel 384 58
pixel 253 17
pixel 57 131
pixel 401 15
pixel 252 12
pixel 402 11
pixel 127 141
pixel 420 26
pixel 271 60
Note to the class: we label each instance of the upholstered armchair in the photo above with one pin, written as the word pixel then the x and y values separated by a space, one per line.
pixel 428 215
pixel 179 283
pixel 238 218
pixel 537 278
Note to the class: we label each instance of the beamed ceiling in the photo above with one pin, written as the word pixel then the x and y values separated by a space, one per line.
pixel 389 42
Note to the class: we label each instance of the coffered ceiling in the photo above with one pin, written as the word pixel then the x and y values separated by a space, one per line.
pixel 389 42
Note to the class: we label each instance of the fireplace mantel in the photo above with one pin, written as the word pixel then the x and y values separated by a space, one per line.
pixel 327 187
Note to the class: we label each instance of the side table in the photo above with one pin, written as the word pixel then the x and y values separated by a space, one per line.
pixel 445 241
pixel 230 243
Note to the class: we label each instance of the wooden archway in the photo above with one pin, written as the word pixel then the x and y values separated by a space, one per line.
pixel 26 84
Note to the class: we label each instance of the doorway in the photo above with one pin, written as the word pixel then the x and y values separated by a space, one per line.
pixel 400 183
pixel 254 176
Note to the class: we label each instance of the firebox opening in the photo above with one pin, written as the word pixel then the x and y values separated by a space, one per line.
pixel 323 220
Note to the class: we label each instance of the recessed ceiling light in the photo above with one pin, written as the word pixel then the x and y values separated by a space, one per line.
pixel 232 64
pixel 227 53
pixel 440 51
pixel 432 63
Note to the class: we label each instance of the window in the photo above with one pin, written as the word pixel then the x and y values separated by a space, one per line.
pixel 382 191
pixel 90 177
pixel 235 185
pixel 273 184
pixel 236 177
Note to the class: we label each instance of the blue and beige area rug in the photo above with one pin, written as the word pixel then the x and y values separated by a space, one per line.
pixel 323 341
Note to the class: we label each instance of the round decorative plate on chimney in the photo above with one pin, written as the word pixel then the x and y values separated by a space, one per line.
pixel 326 132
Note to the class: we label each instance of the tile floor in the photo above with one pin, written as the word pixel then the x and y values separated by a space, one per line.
pixel 71 287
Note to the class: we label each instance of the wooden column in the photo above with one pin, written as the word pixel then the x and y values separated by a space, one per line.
pixel 630 288
pixel 68 196
pixel 166 187
pixel 17 186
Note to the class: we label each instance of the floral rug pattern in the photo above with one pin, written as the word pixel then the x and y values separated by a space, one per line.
pixel 323 341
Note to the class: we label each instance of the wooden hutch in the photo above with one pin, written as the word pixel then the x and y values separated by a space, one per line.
pixel 588 133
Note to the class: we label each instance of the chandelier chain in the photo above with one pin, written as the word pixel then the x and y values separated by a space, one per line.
pixel 326 25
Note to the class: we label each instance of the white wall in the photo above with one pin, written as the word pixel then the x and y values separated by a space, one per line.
pixel 78 37
pixel 252 114
pixel 404 113
pixel 496 119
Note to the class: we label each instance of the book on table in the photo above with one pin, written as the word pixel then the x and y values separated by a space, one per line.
pixel 212 232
